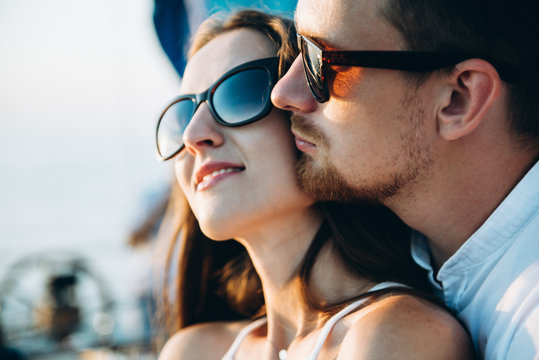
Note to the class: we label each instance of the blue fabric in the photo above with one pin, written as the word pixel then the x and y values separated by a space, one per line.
pixel 172 28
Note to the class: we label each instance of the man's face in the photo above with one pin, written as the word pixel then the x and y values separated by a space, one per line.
pixel 370 139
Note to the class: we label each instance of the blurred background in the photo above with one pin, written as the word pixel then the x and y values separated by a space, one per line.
pixel 82 83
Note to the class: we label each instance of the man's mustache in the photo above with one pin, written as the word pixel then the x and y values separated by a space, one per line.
pixel 307 130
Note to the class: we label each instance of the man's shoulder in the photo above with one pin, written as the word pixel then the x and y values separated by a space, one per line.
pixel 512 331
pixel 202 341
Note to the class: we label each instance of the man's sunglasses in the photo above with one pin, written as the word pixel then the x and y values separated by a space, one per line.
pixel 239 97
pixel 316 61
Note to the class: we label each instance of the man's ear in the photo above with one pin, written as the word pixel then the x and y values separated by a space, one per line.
pixel 474 86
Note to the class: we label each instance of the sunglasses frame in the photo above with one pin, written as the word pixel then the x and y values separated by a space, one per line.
pixel 270 64
pixel 404 60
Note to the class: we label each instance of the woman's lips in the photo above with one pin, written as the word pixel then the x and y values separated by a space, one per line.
pixel 216 176
pixel 211 173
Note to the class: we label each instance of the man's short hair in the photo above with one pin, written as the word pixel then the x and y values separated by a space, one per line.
pixel 504 30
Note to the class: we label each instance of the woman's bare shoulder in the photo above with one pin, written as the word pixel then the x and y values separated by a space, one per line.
pixel 202 341
pixel 405 327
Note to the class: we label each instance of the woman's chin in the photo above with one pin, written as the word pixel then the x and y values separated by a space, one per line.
pixel 215 233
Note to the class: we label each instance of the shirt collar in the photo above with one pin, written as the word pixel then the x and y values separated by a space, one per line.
pixel 421 255
pixel 500 228
pixel 497 232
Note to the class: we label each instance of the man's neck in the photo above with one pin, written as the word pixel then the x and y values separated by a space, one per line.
pixel 460 196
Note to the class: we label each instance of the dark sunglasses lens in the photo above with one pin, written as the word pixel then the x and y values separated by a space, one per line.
pixel 171 127
pixel 243 97
pixel 312 63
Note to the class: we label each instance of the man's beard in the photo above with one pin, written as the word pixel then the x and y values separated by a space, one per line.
pixel 324 182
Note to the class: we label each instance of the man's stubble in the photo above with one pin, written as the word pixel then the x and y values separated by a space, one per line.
pixel 323 181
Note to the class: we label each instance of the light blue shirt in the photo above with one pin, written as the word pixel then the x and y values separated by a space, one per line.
pixel 492 281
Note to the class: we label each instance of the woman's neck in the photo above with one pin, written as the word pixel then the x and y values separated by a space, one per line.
pixel 277 253
pixel 277 247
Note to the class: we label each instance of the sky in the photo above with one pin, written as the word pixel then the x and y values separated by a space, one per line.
pixel 81 85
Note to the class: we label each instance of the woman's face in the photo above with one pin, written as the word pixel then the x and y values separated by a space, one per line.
pixel 236 179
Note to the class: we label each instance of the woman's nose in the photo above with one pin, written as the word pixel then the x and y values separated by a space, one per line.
pixel 291 93
pixel 202 132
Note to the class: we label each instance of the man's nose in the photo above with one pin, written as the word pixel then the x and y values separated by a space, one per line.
pixel 291 93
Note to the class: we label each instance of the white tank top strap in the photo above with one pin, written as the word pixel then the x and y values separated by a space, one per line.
pixel 241 336
pixel 324 333
pixel 388 284
pixel 328 326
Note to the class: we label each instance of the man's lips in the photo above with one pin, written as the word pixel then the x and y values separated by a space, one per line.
pixel 211 173
pixel 303 144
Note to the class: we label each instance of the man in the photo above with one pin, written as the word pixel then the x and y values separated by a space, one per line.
pixel 444 131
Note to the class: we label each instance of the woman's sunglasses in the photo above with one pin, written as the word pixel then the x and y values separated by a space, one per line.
pixel 239 97
pixel 316 61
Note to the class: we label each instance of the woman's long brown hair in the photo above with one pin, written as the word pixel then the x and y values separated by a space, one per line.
pixel 205 280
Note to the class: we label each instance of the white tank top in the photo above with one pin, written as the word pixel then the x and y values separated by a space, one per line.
pixel 324 333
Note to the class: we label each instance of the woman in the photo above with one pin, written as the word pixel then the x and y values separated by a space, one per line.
pixel 335 279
